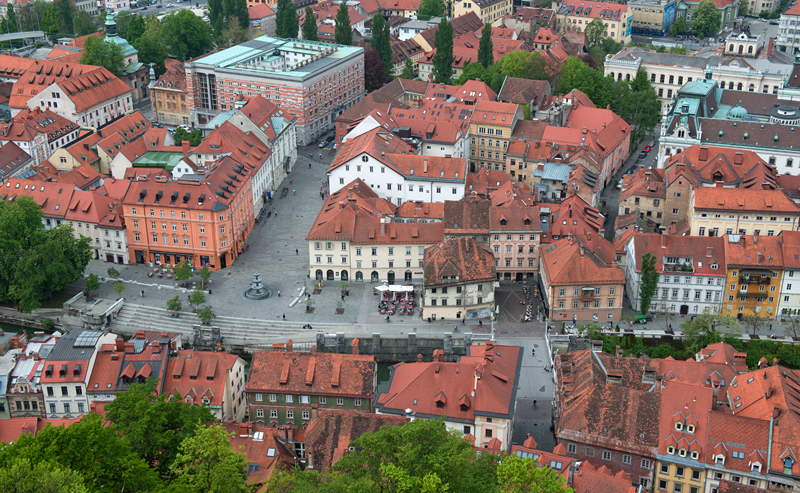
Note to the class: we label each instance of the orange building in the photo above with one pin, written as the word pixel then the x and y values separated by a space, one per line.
pixel 204 221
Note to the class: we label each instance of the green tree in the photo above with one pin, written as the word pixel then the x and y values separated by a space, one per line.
pixel 744 8
pixel 183 271
pixel 23 476
pixel 123 22
pixel 679 26
pixel 791 326
pixel 523 475
pixel 152 50
pixel 524 65
pixel 205 315
pixel 97 51
pixel 595 31
pixel 207 462
pixel 408 69
pixel 443 59
pixel 637 103
pixel 381 42
pixel 648 282
pixel 472 71
pixel 11 19
pixel 342 32
pixel 103 456
pixel 50 17
pixel 194 137
pixel 707 328
pixel 286 20
pixel 135 29
pixel 232 34
pixel 112 273
pixel 485 52
pixel 215 11
pixel 66 9
pixel 154 426
pixel 92 284
pixel 706 19
pixel 197 297
pixel 119 288
pixel 310 25
pixel 430 8
pixel 174 305
pixel 205 275
pixel 186 35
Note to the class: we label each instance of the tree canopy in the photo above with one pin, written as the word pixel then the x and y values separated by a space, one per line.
pixel 207 463
pixel 485 51
pixel 287 23
pixel 595 31
pixel 342 32
pixel 186 35
pixel 98 51
pixel 679 26
pixel 431 8
pixel 374 70
pixel 381 42
pixel 707 328
pixel 648 282
pixel 194 137
pixel 443 59
pixel 706 19
pixel 310 25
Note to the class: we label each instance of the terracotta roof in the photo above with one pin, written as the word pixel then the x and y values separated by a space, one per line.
pixel 726 486
pixel 246 148
pixel 312 373
pixel 722 353
pixel 750 200
pixel 209 370
pixel 12 158
pixel 83 149
pixel 483 383
pixel 118 366
pixel 754 252
pixel 523 91
pixel 81 176
pixel 88 206
pixel 470 215
pixel 573 216
pixel 586 478
pixel 40 75
pixel 328 438
pixel 704 374
pixel 327 10
pixel 26 124
pixel 555 460
pixel 622 414
pixel 535 15
pixel 420 210
pixel 704 251
pixel 568 262
pixel 405 49
pixel 414 166
pixel 485 181
pixel 686 404
pixel 13 67
pixel 81 40
pixel 376 143
pixel 175 76
pixel 399 4
pixel 645 182
pixel 261 111
pixel 93 88
pixel 265 449
pixel 467 23
pixel 494 113
pixel 728 433
pixel 259 11
pixel 337 217
pixel 608 11
pixel 730 166
pixel 463 258
pixel 52 197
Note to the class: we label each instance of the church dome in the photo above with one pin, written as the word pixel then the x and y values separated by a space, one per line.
pixel 737 113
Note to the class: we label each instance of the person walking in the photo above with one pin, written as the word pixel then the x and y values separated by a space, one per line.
pixel 279 295
pixel 284 317
pixel 296 251
pixel 464 320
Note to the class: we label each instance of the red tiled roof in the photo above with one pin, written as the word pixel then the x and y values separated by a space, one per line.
pixel 754 251
pixel 81 176
pixel 13 67
pixel 259 11
pixel 494 113
pixel 738 199
pixel 469 215
pixel 722 353
pixel 246 148
pixel 569 262
pixel 81 40
pixel 375 143
pixel 523 91
pixel 739 167
pixel 261 111
pixel 728 432
pixel 704 250
pixel 602 480
pixel 307 373
pixel 337 217
pixel 52 197
pixel 328 437
pixel 420 210
pixel 327 10
pixel 26 124
pixel 414 166
pixel 369 231
pixel 12 157
pixel 40 75
pixel 464 258
pixel 265 449
pixel 208 367
pixel 688 404
pixel 593 10
pixel 93 88
pixel 175 76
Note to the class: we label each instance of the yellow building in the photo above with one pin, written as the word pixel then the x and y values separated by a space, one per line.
pixel 488 10
pixel 755 271
pixel 168 96
pixel 490 131
pixel 576 15
pixel 715 211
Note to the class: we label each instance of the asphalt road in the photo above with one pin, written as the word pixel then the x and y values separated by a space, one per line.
pixel 168 6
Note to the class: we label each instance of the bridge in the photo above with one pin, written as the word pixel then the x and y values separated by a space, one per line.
pixel 22 35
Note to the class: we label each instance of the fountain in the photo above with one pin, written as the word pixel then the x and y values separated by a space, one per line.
pixel 257 290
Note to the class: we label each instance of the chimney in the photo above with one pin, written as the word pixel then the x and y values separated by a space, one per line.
pixel 618 352
pixel 244 429
pixel 355 346
pixel 582 250
pixel 313 349
pixel 419 358
pixel 130 348
pixel 289 345
pixel 139 334
pixel 185 146
pixel 120 344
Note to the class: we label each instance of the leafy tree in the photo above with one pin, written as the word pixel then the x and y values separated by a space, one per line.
pixel 49 18
pixel 637 103
pixel 135 29
pixel 207 462
pixel 11 19
pixel 706 19
pixel 183 271
pixel 233 33
pixel 374 70
pixel 194 137
pixel 215 11
pixel 595 31
pixel 97 51
pixel 205 314
pixel 186 35
pixel 705 329
pixel 310 25
pixel 123 22
pixel 154 426
pixel 119 288
pixel 485 53
pixel 753 322
pixel 679 26
pixel 174 305
pixel 381 42
pixel 648 282
pixel 152 50
pixel 522 475
pixel 524 65
pixel 472 71
pixel 205 275
pixel 408 69
pixel 112 273
pixel 197 298
pixel 286 21
pixel 792 326
pixel 92 284
pixel 238 9
pixel 66 9
pixel 430 8
pixel 342 32
pixel 103 456
pixel 443 59
pixel 744 8
pixel 23 476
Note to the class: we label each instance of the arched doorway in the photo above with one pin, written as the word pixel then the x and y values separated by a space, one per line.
pixel 359 276
pixel 741 47
pixel 344 276
pixel 390 277
pixel 318 274
pixel 408 275
pixel 329 275
pixel 374 276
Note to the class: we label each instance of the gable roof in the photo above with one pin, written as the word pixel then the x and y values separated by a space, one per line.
pixel 569 261
pixel 469 215
pixel 209 369
pixel 39 75
pixel 704 251
pixel 90 89
pixel 464 258
pixel 12 158
pixel 523 91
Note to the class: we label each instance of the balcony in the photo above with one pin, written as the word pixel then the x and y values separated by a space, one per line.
pixel 678 268
pixel 755 280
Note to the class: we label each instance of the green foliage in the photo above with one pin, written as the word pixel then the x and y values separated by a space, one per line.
pixel 112 273
pixel 186 35
pixel 49 16
pixel 679 26
pixel 523 475
pixel 152 50
pixel 153 426
pixel 233 33
pixel 342 32
pixel 24 476
pixel 205 275
pixel 524 65
pixel 205 314
pixel 123 22
pixel 174 304
pixel 104 458
pixel 706 19
pixel 707 328
pixel 48 324
pixel 34 263
pixel 595 31
pixel 135 29
pixel 119 288
pixel 485 53
pixel 310 25
pixel 92 283
pixel 183 271
pixel 194 137
pixel 381 42
pixel 197 297
pixel 431 8
pixel 66 9
pixel 792 326
pixel 215 12
pixel 408 69
pixel 207 463
pixel 637 103
pixel 287 24
pixel 648 282
pixel 443 59
pixel 97 51
pixel 576 74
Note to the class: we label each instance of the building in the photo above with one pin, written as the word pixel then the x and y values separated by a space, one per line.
pixel 574 16
pixel 38 132
pixel 314 80
pixel 528 19
pixel 53 198
pixel 406 49
pixel 168 95
pixel 745 211
pixel 743 43
pixel 286 387
pixel 692 272
pixel 134 73
pixel 789 301
pixel 755 271
pixel 606 412
pixel 24 390
pixel 354 238
pixel 263 18
pixel 475 395
pixel 652 17
pixel 516 231
pixel 99 218
pixel 7 363
pixel 469 22
pixel 212 379
pixel 214 214
pixel 459 280
pixel 325 13
pixel 580 281
pixel 467 217
pixel 67 372
pixel 788 40
pixel 525 92
pixel 644 193
pixel 267 450
pixel 13 160
pixel 490 131
pixel 728 10
pixel 488 11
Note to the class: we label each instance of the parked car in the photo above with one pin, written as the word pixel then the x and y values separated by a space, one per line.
pixel 322 144
pixel 652 143
pixel 646 148
pixel 642 155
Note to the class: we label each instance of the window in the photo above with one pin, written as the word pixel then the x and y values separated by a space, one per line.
pixel 357 402
pixel 273 397
pixel 626 459
pixel 645 463
pixel 323 399
pixel 488 433
pixel 289 414
pixel 679 471
pixel 606 455
pixel 306 415
pixel 571 448
pixel 273 413
pixel 64 391
pixel 340 401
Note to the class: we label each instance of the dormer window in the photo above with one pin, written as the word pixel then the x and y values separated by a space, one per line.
pixel 187 400
pixel 503 222
pixel 788 463
pixel 206 401
pixel 678 426
pixel 690 428
pixel 682 452
pixel 719 460
pixel 671 450
pixel 695 454
pixel 755 467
